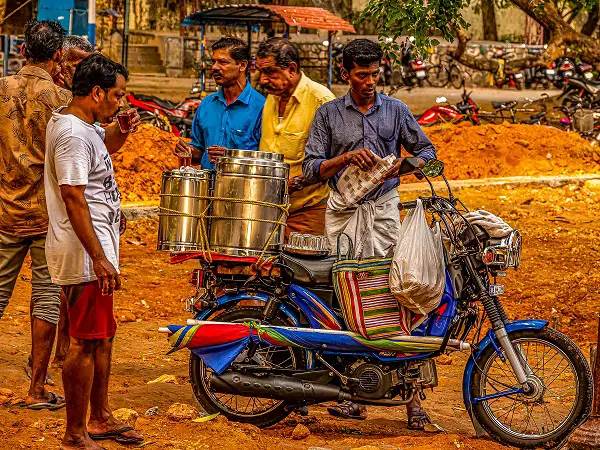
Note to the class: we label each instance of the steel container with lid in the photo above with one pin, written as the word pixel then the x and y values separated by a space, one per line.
pixel 241 228
pixel 179 228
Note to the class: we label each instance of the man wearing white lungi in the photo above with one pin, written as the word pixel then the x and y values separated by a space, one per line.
pixel 351 130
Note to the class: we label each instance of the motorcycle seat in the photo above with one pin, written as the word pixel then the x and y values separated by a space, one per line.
pixel 463 108
pixel 534 119
pixel 310 270
pixel 159 101
pixel 503 105
pixel 538 115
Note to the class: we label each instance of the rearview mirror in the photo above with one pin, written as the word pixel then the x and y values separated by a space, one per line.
pixel 434 168
pixel 441 100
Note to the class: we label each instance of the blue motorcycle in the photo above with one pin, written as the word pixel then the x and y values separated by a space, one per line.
pixel 275 340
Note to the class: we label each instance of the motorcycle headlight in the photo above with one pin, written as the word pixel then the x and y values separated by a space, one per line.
pixel 503 253
pixel 588 75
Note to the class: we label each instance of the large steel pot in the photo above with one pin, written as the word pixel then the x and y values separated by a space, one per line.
pixel 241 228
pixel 178 229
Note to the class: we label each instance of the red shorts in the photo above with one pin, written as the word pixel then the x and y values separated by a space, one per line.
pixel 90 313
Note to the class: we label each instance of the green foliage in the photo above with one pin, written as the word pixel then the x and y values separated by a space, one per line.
pixel 424 18
pixel 418 18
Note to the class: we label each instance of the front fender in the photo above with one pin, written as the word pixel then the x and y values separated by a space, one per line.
pixel 518 325
pixel 229 300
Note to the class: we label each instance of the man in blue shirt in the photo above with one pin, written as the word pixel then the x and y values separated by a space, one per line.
pixel 231 117
pixel 359 129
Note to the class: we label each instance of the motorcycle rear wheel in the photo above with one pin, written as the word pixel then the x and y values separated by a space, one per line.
pixel 235 408
pixel 561 407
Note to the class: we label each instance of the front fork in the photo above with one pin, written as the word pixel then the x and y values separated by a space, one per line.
pixel 498 319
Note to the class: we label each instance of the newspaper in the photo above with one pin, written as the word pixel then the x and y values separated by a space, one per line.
pixel 355 183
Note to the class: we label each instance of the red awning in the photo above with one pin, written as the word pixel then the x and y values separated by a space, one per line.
pixel 294 16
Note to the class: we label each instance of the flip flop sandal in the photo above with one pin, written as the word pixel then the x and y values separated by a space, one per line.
pixel 51 405
pixel 49 381
pixel 419 417
pixel 117 436
pixel 346 410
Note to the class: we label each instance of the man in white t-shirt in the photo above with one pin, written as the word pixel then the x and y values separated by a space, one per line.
pixel 82 247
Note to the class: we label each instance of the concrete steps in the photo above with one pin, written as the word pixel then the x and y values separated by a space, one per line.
pixel 144 59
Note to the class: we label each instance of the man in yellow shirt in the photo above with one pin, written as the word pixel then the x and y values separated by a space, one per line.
pixel 287 117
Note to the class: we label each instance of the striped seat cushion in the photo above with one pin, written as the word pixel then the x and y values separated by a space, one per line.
pixel 370 309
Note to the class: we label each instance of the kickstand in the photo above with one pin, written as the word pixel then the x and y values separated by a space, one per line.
pixel 479 431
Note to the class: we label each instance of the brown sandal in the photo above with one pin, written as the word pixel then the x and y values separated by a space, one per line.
pixel 417 419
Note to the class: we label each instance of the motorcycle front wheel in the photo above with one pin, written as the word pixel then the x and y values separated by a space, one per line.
pixel 261 412
pixel 561 400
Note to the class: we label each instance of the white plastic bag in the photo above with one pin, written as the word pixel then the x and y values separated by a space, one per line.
pixel 417 275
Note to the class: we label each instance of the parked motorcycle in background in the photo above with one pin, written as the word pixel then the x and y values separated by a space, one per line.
pixel 539 77
pixel 502 78
pixel 413 69
pixel 567 68
pixel 164 114
pixel 445 112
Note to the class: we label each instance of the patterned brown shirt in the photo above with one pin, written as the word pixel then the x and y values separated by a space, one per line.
pixel 26 104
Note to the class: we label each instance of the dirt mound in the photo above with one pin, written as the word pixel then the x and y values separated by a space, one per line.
pixel 142 160
pixel 507 150
pixel 469 152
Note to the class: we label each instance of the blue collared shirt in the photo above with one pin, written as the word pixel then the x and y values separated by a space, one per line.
pixel 340 127
pixel 236 125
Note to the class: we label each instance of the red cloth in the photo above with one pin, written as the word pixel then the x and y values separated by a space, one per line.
pixel 91 314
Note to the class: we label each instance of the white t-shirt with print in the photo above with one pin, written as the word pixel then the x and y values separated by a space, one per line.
pixel 76 155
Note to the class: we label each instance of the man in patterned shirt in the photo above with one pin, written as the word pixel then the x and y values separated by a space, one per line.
pixel 27 102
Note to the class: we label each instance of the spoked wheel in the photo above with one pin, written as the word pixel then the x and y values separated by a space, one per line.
pixel 560 400
pixel 456 77
pixel 261 412
pixel 437 76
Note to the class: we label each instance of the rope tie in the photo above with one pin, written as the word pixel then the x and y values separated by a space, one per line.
pixel 204 239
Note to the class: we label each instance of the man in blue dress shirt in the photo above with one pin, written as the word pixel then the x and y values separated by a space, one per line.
pixel 231 117
pixel 358 129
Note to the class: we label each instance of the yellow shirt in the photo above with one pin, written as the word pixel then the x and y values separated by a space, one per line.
pixel 289 137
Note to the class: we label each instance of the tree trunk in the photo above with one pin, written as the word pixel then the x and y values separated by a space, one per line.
pixel 481 63
pixel 561 33
pixel 490 29
pixel 592 21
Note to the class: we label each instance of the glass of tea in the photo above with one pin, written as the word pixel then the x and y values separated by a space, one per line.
pixel 125 119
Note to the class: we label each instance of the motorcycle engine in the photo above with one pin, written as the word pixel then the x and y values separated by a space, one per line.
pixel 373 382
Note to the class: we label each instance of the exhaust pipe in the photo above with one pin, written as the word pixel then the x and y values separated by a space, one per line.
pixel 275 387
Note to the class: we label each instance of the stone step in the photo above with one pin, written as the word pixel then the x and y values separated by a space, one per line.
pixel 146 68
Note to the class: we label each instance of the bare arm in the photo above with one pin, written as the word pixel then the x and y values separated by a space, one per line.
pixel 81 221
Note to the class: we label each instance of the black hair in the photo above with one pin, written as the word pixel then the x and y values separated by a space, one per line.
pixel 96 70
pixel 282 50
pixel 42 40
pixel 238 49
pixel 361 52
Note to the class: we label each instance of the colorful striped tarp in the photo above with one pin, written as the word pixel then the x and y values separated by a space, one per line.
pixel 219 343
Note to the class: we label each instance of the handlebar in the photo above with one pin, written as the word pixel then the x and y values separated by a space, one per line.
pixel 566 109
pixel 413 204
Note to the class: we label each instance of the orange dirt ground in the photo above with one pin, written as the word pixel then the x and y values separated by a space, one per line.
pixel 559 281
pixel 469 152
